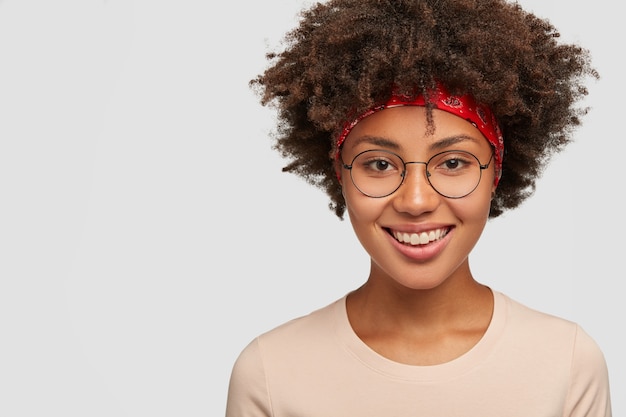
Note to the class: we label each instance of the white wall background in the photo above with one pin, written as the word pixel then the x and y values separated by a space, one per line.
pixel 147 233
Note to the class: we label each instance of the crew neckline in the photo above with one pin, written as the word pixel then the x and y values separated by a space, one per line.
pixel 422 373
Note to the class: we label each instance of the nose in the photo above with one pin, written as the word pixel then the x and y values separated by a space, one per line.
pixel 415 196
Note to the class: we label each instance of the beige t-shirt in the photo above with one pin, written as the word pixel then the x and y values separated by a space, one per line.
pixel 528 364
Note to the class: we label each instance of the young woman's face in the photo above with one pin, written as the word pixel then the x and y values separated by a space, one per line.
pixel 415 236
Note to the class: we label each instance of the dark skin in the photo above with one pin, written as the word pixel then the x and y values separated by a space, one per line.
pixel 421 304
pixel 345 55
pixel 421 327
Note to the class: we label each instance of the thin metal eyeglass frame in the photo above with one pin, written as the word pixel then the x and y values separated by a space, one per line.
pixel 428 174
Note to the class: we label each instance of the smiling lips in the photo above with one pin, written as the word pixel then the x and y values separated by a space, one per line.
pixel 422 238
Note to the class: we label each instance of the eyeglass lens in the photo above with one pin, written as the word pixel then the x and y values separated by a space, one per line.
pixel 379 173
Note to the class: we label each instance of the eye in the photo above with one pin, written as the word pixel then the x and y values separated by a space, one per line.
pixel 378 163
pixel 454 162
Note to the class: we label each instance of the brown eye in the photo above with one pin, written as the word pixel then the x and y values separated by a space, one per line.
pixel 379 165
pixel 452 163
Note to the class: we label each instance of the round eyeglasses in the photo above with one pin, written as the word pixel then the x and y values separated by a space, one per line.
pixel 452 174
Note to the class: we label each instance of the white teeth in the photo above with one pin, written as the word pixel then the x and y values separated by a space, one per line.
pixel 420 238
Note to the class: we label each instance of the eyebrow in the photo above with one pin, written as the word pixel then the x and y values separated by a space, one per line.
pixel 452 140
pixel 390 144
pixel 378 141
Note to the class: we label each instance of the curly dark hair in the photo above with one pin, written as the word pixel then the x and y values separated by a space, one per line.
pixel 345 56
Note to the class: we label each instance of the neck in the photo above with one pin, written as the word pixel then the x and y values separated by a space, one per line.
pixel 421 327
pixel 388 304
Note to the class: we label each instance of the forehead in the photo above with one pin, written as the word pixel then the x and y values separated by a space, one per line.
pixel 409 126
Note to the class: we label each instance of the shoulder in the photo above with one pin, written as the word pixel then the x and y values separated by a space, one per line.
pixel 274 354
pixel 557 339
pixel 564 348
pixel 530 323
pixel 535 325
pixel 306 333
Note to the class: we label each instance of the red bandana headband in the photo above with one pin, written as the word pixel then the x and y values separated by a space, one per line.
pixel 462 106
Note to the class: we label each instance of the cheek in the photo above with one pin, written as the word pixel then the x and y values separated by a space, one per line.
pixel 475 207
pixel 479 202
pixel 361 208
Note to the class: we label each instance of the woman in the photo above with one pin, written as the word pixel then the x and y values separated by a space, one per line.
pixel 422 119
